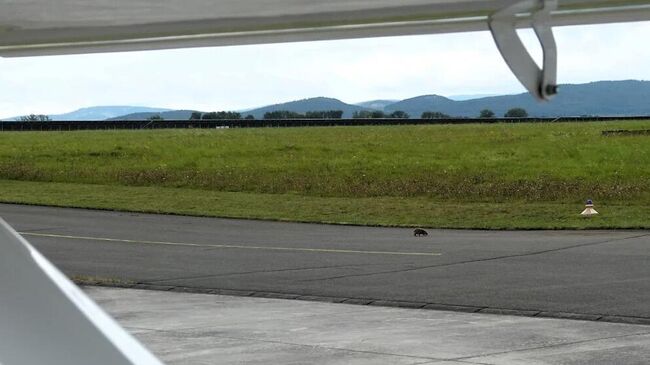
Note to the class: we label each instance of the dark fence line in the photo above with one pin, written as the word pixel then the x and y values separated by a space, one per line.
pixel 261 123
pixel 626 132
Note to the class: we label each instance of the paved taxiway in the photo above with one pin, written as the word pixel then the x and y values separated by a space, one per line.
pixel 184 328
pixel 596 274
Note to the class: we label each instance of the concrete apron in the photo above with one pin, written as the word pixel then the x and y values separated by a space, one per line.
pixel 183 328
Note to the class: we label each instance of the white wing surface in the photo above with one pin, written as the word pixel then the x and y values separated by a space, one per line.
pixel 46 319
pixel 52 27
pixel 45 27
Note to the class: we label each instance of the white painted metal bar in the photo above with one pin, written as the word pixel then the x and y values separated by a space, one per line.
pixel 46 319
pixel 539 81
pixel 66 36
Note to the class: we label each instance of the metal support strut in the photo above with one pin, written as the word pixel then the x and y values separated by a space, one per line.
pixel 541 83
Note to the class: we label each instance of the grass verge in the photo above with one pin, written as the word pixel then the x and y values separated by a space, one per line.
pixel 534 161
pixel 384 211
pixel 497 176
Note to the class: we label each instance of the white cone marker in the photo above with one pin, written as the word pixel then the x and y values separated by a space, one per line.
pixel 589 209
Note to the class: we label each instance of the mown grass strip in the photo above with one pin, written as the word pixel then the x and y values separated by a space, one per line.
pixel 383 211
pixel 498 176
pixel 533 162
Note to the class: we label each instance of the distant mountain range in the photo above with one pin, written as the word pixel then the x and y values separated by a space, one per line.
pixel 306 105
pixel 169 114
pixel 100 113
pixel 602 98
pixel 462 97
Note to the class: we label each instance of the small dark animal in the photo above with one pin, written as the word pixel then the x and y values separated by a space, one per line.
pixel 419 232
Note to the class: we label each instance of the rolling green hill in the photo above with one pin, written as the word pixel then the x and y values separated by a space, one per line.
pixel 101 112
pixel 602 98
pixel 172 114
pixel 311 104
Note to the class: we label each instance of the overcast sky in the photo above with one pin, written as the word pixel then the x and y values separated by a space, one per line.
pixel 231 78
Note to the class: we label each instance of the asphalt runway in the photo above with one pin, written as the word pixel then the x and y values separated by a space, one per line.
pixel 594 273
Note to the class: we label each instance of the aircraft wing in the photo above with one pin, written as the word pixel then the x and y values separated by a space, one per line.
pixel 53 27
pixel 49 27
pixel 46 319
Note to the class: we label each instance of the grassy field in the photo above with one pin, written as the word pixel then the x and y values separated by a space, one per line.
pixel 465 176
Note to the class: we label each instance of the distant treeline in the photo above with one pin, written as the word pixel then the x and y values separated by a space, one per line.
pixel 277 114
pixel 338 114
pixel 223 115
pixel 243 123
pixel 317 114
pixel 335 114
pixel 314 114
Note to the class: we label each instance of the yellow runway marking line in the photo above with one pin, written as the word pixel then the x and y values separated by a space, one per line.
pixel 243 247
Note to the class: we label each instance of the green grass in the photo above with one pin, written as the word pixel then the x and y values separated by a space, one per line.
pixel 462 176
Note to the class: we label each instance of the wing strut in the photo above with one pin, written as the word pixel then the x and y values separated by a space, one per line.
pixel 540 82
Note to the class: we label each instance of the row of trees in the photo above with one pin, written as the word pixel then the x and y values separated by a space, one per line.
pixel 360 114
pixel 319 114
pixel 434 115
pixel 35 118
pixel 376 114
pixel 217 115
pixel 277 114
pixel 485 113
pixel 516 113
